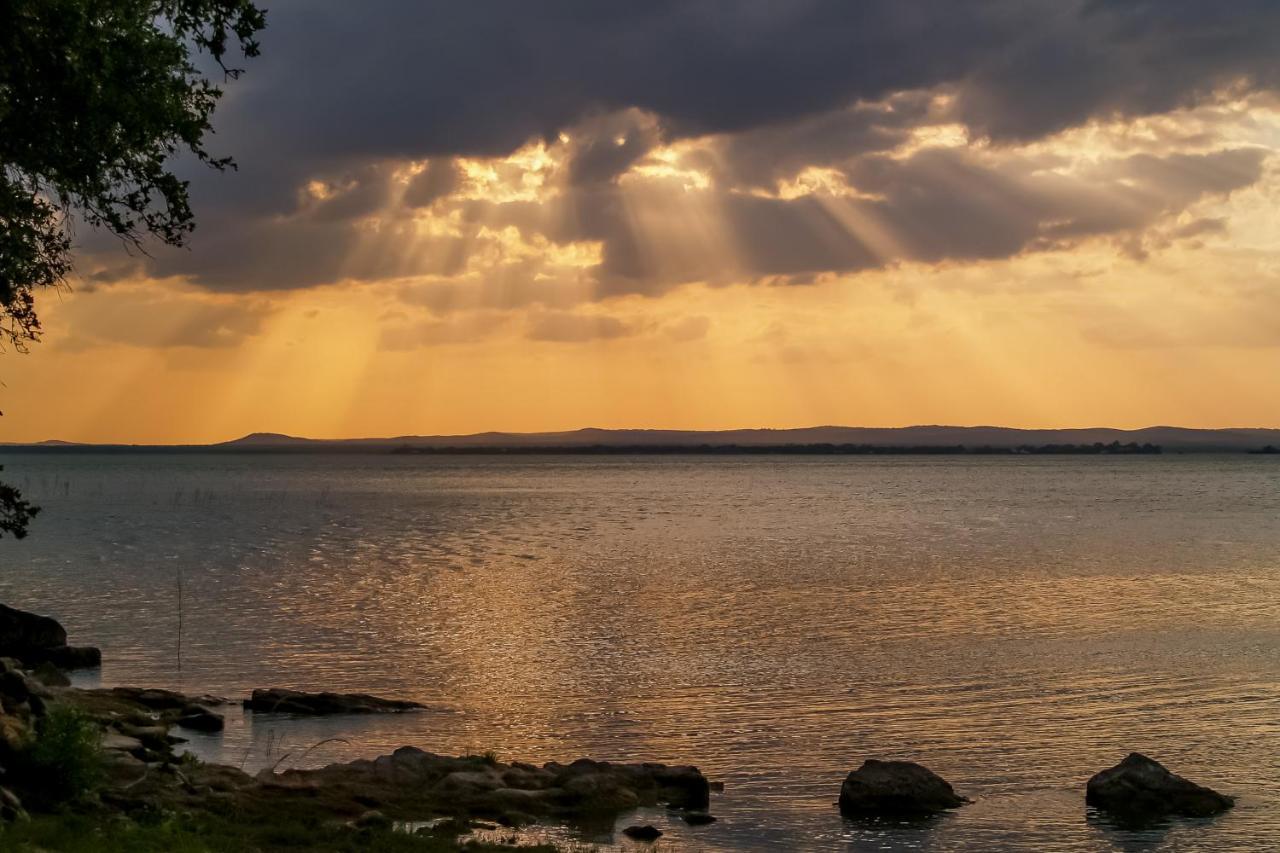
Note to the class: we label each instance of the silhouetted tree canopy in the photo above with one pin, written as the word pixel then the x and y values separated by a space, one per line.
pixel 96 98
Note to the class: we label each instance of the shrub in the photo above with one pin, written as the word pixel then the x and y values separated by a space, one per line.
pixel 63 761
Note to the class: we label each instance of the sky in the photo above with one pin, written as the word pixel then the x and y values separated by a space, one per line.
pixel 457 217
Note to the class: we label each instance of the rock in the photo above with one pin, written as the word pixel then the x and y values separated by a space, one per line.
pixel 372 819
pixel 895 788
pixel 116 742
pixel 681 786
pixel 11 807
pixel 699 818
pixel 526 776
pixel 68 657
pixel 14 734
pixel 13 688
pixel 278 700
pixel 154 737
pixel 1142 788
pixel 200 719
pixel 151 698
pixel 647 832
pixel 411 781
pixel 50 676
pixel 22 632
pixel 471 782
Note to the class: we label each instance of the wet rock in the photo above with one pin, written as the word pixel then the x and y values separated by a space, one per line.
pixel 148 697
pixel 643 833
pixel 699 818
pixel 115 742
pixel 372 819
pixel 896 788
pixel 11 807
pixel 471 782
pixel 50 676
pixel 526 776
pixel 681 787
pixel 1140 787
pixel 67 657
pixel 278 700
pixel 200 719
pixel 522 800
pixel 412 781
pixel 14 734
pixel 13 689
pixel 155 738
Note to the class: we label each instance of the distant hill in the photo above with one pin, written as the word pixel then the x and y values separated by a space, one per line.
pixel 1170 439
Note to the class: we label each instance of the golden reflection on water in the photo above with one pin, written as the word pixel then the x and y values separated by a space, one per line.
pixel 1014 624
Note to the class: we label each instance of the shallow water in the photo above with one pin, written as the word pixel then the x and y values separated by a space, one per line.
pixel 1014 623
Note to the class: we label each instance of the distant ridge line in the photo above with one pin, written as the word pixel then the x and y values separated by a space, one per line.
pixel 923 437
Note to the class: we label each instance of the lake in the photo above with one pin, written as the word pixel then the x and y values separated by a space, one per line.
pixel 1014 623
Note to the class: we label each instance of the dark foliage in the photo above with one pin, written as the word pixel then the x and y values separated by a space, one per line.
pixel 63 762
pixel 96 98
pixel 15 513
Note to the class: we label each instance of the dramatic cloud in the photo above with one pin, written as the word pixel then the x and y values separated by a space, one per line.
pixel 420 79
pixel 504 155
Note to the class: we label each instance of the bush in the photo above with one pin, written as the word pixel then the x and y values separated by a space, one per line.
pixel 64 760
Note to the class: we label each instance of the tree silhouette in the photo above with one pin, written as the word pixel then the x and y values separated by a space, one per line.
pixel 96 98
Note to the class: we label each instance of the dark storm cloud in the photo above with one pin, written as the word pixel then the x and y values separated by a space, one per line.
pixel 1119 57
pixel 344 92
pixel 414 79
pixel 761 156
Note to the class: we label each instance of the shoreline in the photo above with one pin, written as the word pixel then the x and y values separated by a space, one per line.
pixel 120 764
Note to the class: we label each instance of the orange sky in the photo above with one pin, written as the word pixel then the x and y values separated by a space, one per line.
pixel 1175 320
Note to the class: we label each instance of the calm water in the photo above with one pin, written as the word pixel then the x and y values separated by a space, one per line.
pixel 1015 624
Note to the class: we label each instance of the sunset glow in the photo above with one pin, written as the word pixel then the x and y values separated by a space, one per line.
pixel 844 266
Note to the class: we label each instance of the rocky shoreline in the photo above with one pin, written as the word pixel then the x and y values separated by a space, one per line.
pixel 133 733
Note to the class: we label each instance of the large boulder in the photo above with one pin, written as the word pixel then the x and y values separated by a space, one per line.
pixel 410 781
pixel 35 639
pixel 896 789
pixel 606 786
pixel 200 719
pixel 1140 787
pixel 20 630
pixel 281 701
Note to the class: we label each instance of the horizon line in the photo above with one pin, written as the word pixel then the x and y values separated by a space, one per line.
pixel 266 436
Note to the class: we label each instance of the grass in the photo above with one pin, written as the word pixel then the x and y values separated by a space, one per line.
pixel 63 762
pixel 63 784
pixel 214 833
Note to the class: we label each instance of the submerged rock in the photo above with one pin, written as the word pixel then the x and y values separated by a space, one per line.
pixel 648 832
pixel 1140 787
pixel 896 788
pixel 281 701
